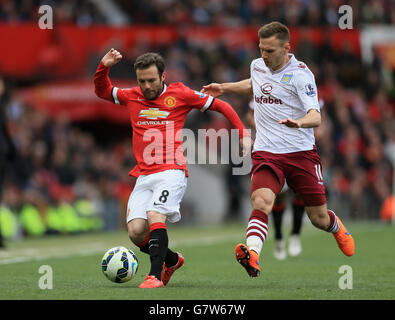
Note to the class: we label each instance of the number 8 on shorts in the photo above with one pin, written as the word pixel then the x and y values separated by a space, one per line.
pixel 161 192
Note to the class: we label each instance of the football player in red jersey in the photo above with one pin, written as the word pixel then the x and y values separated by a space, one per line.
pixel 157 115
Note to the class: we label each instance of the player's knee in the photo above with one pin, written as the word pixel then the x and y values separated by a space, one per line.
pixel 262 203
pixel 137 231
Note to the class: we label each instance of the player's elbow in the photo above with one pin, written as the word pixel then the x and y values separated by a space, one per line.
pixel 315 118
pixel 97 92
pixel 100 92
pixel 318 120
pixel 97 87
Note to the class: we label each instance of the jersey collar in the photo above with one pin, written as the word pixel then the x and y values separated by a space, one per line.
pixel 292 59
pixel 164 89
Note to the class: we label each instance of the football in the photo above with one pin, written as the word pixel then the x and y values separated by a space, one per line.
pixel 119 264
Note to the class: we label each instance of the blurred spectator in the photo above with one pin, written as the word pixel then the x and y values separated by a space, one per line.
pixel 83 13
pixel 7 148
pixel 214 12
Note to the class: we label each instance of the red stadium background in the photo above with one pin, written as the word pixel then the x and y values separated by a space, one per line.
pixel 71 146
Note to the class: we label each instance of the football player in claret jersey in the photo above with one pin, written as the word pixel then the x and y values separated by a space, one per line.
pixel 285 113
pixel 157 114
pixel 294 243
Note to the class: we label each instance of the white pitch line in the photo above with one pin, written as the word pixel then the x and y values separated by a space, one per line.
pixel 100 248
pixel 35 254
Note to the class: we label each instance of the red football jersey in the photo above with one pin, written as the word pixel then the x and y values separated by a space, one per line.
pixel 157 124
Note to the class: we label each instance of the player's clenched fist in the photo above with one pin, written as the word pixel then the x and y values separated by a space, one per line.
pixel 112 57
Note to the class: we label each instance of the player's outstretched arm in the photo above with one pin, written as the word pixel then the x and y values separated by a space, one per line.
pixel 310 120
pixel 218 89
pixel 226 109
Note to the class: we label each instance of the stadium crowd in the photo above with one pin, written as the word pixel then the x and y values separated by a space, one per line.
pixel 204 12
pixel 56 163
pixel 253 12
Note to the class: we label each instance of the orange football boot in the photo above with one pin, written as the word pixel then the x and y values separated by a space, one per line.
pixel 167 272
pixel 151 282
pixel 249 259
pixel 344 239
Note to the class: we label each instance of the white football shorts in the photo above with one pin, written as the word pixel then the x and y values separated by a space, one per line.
pixel 161 192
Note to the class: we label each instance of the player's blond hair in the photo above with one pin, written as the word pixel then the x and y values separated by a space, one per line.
pixel 275 28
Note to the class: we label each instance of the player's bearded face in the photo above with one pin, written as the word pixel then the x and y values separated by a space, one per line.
pixel 150 82
pixel 273 52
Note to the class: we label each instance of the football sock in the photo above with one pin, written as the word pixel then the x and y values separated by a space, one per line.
pixel 171 258
pixel 333 226
pixel 144 247
pixel 158 243
pixel 298 211
pixel 278 211
pixel 257 230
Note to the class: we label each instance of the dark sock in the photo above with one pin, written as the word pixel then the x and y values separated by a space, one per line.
pixel 171 258
pixel 145 248
pixel 158 243
pixel 298 212
pixel 278 211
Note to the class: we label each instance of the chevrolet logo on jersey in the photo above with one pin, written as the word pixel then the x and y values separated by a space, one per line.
pixel 153 113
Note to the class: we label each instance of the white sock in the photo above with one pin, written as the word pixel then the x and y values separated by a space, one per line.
pixel 254 243
pixel 256 233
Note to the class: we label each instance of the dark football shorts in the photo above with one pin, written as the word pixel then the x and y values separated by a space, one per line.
pixel 302 170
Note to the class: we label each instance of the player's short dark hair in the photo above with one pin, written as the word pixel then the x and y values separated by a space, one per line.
pixel 274 28
pixel 148 59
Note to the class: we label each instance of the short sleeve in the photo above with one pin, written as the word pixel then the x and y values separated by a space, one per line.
pixel 197 100
pixel 307 90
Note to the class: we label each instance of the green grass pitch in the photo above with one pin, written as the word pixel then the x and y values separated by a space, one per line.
pixel 210 271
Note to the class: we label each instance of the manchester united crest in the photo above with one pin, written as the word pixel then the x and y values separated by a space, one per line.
pixel 169 101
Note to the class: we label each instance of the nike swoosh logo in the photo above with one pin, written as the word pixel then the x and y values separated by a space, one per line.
pixel 157 204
